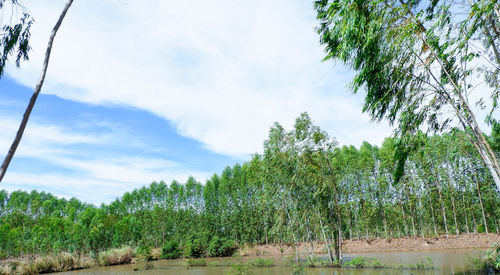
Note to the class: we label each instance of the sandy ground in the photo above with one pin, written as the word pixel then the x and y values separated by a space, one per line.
pixel 382 245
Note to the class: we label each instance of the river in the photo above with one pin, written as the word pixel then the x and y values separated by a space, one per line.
pixel 446 262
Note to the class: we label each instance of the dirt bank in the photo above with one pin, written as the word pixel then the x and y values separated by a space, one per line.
pixel 382 245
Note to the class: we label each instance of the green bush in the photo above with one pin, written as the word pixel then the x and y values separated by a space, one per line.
pixel 489 263
pixel 143 253
pixel 171 250
pixel 260 262
pixel 363 262
pixel 196 246
pixel 221 247
pixel 196 262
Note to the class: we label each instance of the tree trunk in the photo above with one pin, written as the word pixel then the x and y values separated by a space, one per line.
pixel 327 244
pixel 482 207
pixel 433 218
pixel 38 88
pixel 465 214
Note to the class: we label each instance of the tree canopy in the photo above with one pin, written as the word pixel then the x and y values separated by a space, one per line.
pixel 419 61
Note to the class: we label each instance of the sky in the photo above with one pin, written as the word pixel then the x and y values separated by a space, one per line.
pixel 143 91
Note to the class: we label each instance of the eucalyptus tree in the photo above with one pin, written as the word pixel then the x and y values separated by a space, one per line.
pixel 418 61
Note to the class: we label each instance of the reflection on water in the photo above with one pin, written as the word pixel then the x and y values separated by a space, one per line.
pixel 446 262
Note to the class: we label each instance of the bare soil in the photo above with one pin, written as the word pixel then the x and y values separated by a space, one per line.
pixel 380 245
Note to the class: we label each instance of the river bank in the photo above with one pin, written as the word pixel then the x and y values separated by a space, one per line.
pixel 465 241
pixel 65 261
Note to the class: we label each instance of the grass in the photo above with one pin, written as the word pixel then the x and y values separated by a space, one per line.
pixel 240 268
pixel 315 262
pixel 44 264
pixel 426 264
pixel 260 262
pixel 364 262
pixel 115 256
pixel 196 262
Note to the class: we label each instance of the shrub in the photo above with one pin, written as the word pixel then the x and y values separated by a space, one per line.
pixel 240 269
pixel 143 253
pixel 156 253
pixel 221 247
pixel 489 263
pixel 196 262
pixel 363 262
pixel 171 250
pixel 260 262
pixel 196 246
pixel 115 256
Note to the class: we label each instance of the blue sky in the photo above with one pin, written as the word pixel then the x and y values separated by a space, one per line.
pixel 136 93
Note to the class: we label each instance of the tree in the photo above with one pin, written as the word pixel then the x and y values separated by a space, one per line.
pixel 19 36
pixel 15 38
pixel 418 61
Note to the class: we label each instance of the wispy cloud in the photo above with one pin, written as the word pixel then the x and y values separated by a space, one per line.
pixel 222 71
pixel 98 173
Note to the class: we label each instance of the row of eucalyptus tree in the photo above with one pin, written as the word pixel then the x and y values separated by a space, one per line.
pixel 303 188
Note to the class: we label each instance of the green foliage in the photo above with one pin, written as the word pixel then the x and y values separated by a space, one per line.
pixel 414 60
pixel 425 264
pixel 298 269
pixel 240 268
pixel 303 186
pixel 196 245
pixel 260 262
pixel 143 253
pixel 196 262
pixel 14 38
pixel 171 250
pixel 489 263
pixel 364 262
pixel 221 247
pixel 314 262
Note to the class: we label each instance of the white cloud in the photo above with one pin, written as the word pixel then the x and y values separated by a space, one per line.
pixel 91 176
pixel 223 71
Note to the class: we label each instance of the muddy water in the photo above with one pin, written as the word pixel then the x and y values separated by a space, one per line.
pixel 446 262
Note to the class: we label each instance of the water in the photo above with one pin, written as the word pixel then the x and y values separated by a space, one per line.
pixel 446 262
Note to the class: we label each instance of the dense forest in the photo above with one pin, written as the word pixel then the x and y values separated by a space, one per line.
pixel 303 188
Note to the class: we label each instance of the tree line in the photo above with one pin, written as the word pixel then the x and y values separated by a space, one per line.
pixel 303 188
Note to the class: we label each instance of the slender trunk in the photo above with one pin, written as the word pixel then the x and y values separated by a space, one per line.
pixel 338 251
pixel 482 207
pixel 474 222
pixel 294 239
pixel 38 88
pixel 443 209
pixel 309 237
pixel 452 198
pixel 327 244
pixel 356 222
pixel 412 214
pixel 465 213
pixel 422 218
pixel 490 191
pixel 349 222
pixel 462 108
pixel 433 218
pixel 404 218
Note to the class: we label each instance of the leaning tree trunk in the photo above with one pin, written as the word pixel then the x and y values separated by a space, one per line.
pixel 38 87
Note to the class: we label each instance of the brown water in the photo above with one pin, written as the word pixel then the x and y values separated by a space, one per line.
pixel 446 262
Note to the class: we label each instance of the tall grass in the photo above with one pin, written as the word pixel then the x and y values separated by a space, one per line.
pixel 44 264
pixel 115 256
